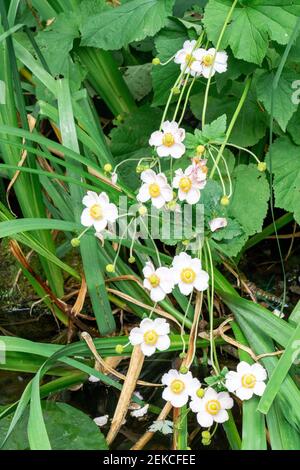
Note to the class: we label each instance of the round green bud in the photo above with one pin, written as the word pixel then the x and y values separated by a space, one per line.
pixel 261 166
pixel 131 260
pixel 155 61
pixel 225 201
pixel 185 242
pixel 206 435
pixel 120 118
pixel 200 150
pixel 143 210
pixel 175 90
pixel 110 268
pixel 200 393
pixel 139 169
pixel 75 242
pixel 183 370
pixel 119 349
pixel 206 442
pixel 107 168
pixel 182 355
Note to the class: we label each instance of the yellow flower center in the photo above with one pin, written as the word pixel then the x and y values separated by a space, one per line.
pixel 208 60
pixel 185 184
pixel 188 275
pixel 154 280
pixel 96 211
pixel 213 407
pixel 248 381
pixel 150 337
pixel 168 139
pixel 177 386
pixel 154 190
pixel 189 59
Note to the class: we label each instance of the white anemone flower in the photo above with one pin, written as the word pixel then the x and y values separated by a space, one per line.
pixel 160 281
pixel 211 407
pixel 151 335
pixel 179 387
pixel 168 141
pixel 156 188
pixel 188 274
pixel 99 211
pixel 247 381
pixel 187 59
pixel 189 183
pixel 208 62
pixel 217 223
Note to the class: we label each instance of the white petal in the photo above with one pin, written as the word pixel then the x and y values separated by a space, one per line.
pixel 143 194
pixel 101 420
pixel 100 224
pixel 161 326
pixel 233 381
pixel 182 260
pixel 146 325
pixel 90 199
pixel 157 294
pixel 103 199
pixel 259 388
pixel 207 71
pixel 244 393
pixel 147 350
pixel 210 394
pixel 199 54
pixel 196 404
pixel 221 57
pixel 158 202
pixel 163 343
pixel 167 193
pixel 169 127
pixel 221 417
pixel 177 150
pixel 179 400
pixel 225 400
pixel 86 220
pixel 148 176
pixel 156 138
pixel 136 336
pixel 217 223
pixel 111 212
pixel 205 419
pixel 184 288
pixel 169 376
pixel 180 57
pixel 243 368
pixel 193 196
pixel 259 372
pixel 148 269
pixel 220 68
pixel 201 282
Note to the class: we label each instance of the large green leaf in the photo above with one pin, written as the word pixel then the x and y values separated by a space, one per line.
pixel 68 429
pixel 132 21
pixel 286 168
pixel 253 24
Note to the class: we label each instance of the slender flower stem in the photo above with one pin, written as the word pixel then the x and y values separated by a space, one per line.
pixel 180 97
pixel 227 19
pixel 186 101
pixel 229 144
pixel 219 171
pixel 231 125
pixel 227 172
pixel 182 332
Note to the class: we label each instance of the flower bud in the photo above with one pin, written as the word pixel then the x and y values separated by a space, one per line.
pixel 107 167
pixel 262 166
pixel 75 242
pixel 182 355
pixel 200 150
pixel 225 201
pixel 143 210
pixel 206 442
pixel 110 268
pixel 131 260
pixel 183 370
pixel 200 393
pixel 206 435
pixel 185 242
pixel 175 90
pixel 119 349
pixel 155 61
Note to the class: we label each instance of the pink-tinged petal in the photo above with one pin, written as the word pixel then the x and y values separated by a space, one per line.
pixel 158 202
pixel 199 54
pixel 157 294
pixel 103 199
pixel 221 417
pixel 181 195
pixel 259 388
pixel 243 368
pixel 147 350
pixel 207 71
pixel 196 67
pixel 205 419
pixel 156 138
pixel 220 68
pixel 148 176
pixel 180 57
pixel 111 212
pixel 259 372
pixel 225 400
pixel 136 336
pixel 90 199
pixel 167 193
pixel 184 288
pixel 163 343
pixel 193 196
pixel 177 150
pixel 217 223
pixel 86 220
pixel 100 224
pixel 167 126
pixel 143 194
pixel 244 393
pixel 163 151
